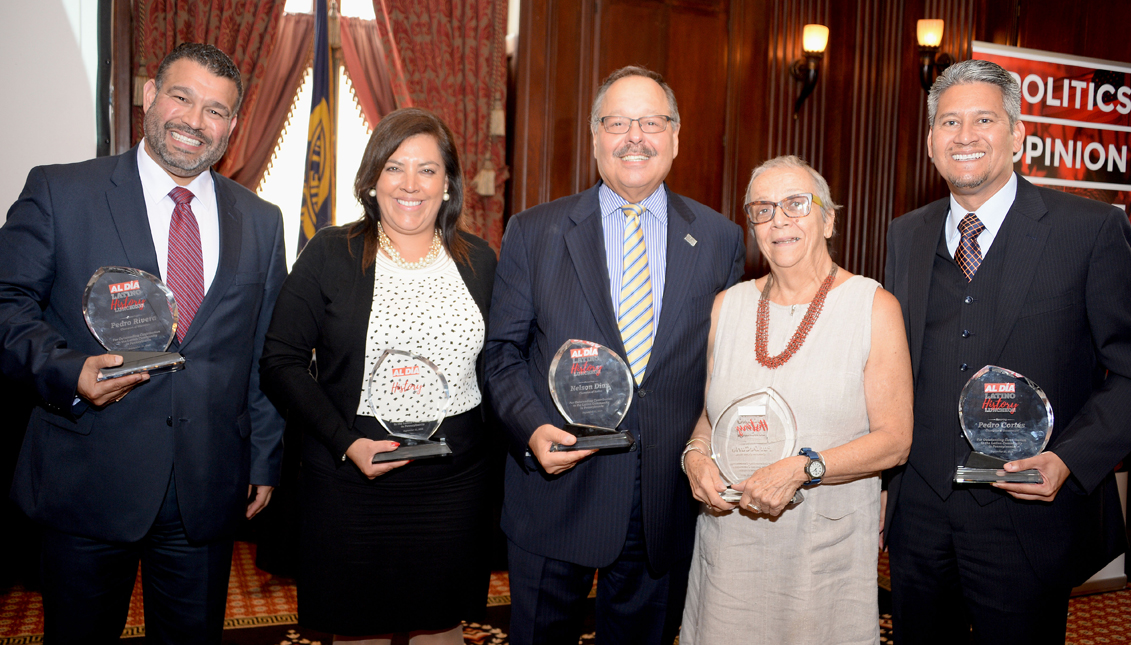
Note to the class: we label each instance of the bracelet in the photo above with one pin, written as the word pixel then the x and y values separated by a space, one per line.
pixel 699 439
pixel 683 456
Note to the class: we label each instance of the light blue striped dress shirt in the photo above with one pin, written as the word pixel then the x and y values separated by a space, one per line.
pixel 655 223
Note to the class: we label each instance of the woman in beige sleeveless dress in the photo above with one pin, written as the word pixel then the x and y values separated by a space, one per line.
pixel 835 349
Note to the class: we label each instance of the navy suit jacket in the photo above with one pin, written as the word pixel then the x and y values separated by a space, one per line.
pixel 103 473
pixel 1062 317
pixel 552 284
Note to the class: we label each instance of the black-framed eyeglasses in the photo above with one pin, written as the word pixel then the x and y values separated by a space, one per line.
pixel 794 206
pixel 648 124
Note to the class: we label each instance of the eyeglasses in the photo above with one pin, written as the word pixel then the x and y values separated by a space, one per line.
pixel 793 206
pixel 648 124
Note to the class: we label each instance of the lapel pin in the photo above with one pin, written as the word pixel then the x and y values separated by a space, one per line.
pixel 690 240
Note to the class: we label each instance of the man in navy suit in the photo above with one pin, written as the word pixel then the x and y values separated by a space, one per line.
pixel 635 267
pixel 1005 273
pixel 152 468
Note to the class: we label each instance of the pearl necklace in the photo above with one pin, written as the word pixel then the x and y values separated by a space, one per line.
pixel 387 247
pixel 763 330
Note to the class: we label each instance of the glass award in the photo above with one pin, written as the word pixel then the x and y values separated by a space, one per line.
pixel 133 315
pixel 1005 417
pixel 752 432
pixel 409 396
pixel 592 388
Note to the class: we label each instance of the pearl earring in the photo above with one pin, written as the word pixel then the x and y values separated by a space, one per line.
pixel 446 195
pixel 372 192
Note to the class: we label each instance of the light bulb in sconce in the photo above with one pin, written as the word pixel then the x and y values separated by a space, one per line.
pixel 928 32
pixel 806 70
pixel 814 39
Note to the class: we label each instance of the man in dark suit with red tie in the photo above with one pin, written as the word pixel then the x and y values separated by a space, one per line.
pixel 1039 282
pixel 156 468
pixel 635 267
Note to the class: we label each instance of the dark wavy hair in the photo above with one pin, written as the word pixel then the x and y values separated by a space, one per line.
pixel 391 132
pixel 209 57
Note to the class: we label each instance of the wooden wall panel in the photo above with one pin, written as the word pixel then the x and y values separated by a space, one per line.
pixel 864 128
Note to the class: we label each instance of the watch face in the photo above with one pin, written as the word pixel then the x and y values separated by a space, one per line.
pixel 816 470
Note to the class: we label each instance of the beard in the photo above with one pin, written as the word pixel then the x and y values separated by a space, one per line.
pixel 176 162
pixel 969 180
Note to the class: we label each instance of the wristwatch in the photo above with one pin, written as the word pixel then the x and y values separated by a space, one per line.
pixel 815 469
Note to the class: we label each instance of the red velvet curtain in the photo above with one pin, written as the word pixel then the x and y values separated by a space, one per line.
pixel 448 56
pixel 289 61
pixel 244 29
pixel 363 56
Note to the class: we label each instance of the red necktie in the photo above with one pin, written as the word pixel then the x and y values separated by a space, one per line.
pixel 969 254
pixel 186 260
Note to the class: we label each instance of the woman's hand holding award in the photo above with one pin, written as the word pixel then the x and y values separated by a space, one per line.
pixel 752 432
pixel 1005 417
pixel 409 396
pixel 133 315
pixel 592 388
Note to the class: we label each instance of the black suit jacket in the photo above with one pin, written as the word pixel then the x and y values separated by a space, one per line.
pixel 553 285
pixel 103 473
pixel 325 306
pixel 1063 317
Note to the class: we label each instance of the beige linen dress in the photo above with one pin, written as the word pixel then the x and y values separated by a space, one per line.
pixel 809 575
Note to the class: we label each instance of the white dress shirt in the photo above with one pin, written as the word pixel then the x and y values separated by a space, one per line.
pixel 155 185
pixel 992 214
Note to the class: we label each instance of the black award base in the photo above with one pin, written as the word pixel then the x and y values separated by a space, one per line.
pixel 984 469
pixel 137 362
pixel 413 449
pixel 595 438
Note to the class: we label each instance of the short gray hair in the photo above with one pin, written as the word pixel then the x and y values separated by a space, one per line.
pixel 624 72
pixel 793 161
pixel 977 71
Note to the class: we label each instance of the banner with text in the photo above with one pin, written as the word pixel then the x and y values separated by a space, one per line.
pixel 1077 115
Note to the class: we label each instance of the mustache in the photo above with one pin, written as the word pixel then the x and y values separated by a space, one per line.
pixel 193 132
pixel 631 148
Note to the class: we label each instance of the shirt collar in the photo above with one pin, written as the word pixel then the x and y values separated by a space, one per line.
pixel 156 183
pixel 612 203
pixel 992 213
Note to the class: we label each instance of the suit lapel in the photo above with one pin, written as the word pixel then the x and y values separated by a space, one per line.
pixel 1023 237
pixel 677 275
pixel 586 246
pixel 127 207
pixel 921 262
pixel 231 237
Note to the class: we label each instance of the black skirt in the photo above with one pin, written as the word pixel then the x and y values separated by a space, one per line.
pixel 405 551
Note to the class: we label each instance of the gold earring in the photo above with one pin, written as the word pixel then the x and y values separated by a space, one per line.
pixel 372 192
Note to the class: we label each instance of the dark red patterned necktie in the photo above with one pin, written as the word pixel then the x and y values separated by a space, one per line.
pixel 969 254
pixel 186 260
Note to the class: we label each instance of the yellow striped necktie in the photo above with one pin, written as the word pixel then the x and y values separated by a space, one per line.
pixel 634 313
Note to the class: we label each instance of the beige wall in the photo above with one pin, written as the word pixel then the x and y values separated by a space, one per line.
pixel 47 114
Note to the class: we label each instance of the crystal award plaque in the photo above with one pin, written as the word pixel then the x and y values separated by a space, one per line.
pixel 133 315
pixel 753 431
pixel 409 396
pixel 1005 417
pixel 592 388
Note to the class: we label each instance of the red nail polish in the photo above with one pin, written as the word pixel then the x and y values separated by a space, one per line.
pixel 396 445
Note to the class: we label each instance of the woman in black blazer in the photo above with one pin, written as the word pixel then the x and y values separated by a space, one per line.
pixel 394 547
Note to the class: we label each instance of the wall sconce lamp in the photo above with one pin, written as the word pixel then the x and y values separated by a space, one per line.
pixel 806 70
pixel 931 62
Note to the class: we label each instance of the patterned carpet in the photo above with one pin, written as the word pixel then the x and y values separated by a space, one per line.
pixel 261 611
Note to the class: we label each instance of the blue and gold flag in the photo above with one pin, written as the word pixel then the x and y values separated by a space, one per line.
pixel 318 182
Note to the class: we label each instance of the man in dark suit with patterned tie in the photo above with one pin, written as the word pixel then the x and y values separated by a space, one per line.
pixel 156 468
pixel 635 267
pixel 1039 282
